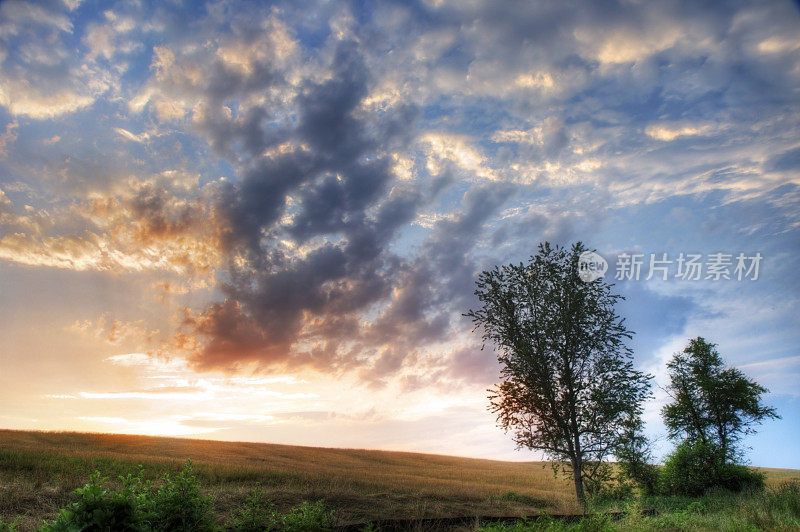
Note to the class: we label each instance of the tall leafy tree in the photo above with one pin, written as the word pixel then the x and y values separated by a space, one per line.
pixel 711 403
pixel 568 385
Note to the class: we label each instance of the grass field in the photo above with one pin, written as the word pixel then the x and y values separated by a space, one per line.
pixel 39 470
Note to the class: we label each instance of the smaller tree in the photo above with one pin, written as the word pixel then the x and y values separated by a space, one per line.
pixel 712 404
pixel 635 456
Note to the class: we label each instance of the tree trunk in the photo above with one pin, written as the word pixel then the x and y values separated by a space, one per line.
pixel 577 474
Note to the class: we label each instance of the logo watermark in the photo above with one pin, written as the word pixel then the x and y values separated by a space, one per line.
pixel 684 267
pixel 591 266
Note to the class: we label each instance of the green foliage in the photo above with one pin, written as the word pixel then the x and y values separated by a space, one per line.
pixel 8 527
pixel 618 489
pixel 173 504
pixel 258 513
pixel 177 504
pixel 634 457
pixel 546 523
pixel 712 403
pixel 712 409
pixel 776 508
pixel 568 382
pixel 307 516
pixel 97 508
pixel 695 467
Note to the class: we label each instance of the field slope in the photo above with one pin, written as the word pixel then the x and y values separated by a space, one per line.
pixel 38 470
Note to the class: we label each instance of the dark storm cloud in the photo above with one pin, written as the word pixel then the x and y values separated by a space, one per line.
pixel 343 189
pixel 340 189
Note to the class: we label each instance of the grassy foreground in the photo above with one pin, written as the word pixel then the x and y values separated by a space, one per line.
pixel 39 471
pixel 776 508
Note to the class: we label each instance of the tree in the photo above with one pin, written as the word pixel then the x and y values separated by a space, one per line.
pixel 635 456
pixel 568 386
pixel 711 403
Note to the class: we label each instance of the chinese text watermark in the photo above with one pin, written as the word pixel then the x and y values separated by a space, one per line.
pixel 684 266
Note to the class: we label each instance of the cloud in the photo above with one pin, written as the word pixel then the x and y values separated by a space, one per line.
pixel 40 78
pixel 8 137
pixel 147 228
pixel 23 99
pixel 131 136
pixel 668 133
pixel 165 426
pixel 786 161
pixel 338 225
pixel 115 332
pixel 471 363
pixel 627 44
pixel 158 394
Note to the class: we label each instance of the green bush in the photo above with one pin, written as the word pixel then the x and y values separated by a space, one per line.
pixel 257 514
pixel 693 468
pixel 643 474
pixel 177 504
pixel 174 504
pixel 307 516
pixel 97 508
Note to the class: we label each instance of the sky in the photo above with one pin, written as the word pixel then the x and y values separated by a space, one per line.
pixel 264 222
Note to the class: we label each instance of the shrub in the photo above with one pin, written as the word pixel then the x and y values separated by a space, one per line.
pixel 178 504
pixel 642 474
pixel 257 514
pixel 97 508
pixel 607 483
pixel 307 516
pixel 175 505
pixel 696 467
pixel 611 492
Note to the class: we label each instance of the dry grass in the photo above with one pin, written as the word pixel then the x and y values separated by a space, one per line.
pixel 776 477
pixel 38 470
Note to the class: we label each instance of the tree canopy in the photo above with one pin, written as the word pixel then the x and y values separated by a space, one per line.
pixel 711 403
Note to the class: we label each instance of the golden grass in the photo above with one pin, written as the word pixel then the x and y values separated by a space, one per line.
pixel 776 476
pixel 38 470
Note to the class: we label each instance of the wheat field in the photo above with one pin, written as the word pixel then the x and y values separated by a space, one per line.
pixel 39 470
